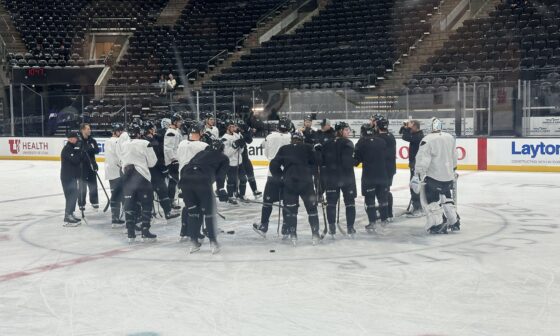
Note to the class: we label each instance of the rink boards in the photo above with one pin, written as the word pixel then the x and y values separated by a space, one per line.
pixel 500 154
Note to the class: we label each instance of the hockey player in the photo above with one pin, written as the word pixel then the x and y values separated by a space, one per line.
pixel 435 167
pixel 138 158
pixel 412 134
pixel 247 134
pixel 210 126
pixel 234 145
pixel 71 159
pixel 171 142
pixel 295 165
pixel 371 153
pixel 307 131
pixel 382 126
pixel 158 171
pixel 89 168
pixel 338 173
pixel 205 168
pixel 273 188
pixel 326 132
pixel 188 148
pixel 113 173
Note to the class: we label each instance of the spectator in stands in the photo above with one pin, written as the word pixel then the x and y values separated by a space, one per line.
pixel 162 85
pixel 171 83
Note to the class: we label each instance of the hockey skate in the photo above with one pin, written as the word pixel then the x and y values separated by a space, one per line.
pixel 416 213
pixel 215 247
pixel 71 221
pixel 260 229
pixel 351 232
pixel 374 228
pixel 147 236
pixel 195 246
pixel 456 226
pixel 95 207
pixel 332 231
pixel 257 194
pixel 293 238
pixel 438 229
pixel 315 238
pixel 232 201
pixel 171 215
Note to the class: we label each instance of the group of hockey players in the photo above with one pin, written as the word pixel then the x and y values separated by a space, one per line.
pixel 195 162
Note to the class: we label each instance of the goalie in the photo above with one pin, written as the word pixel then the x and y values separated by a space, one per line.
pixel 436 163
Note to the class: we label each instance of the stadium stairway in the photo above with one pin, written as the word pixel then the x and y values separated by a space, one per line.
pixel 9 33
pixel 252 40
pixel 171 13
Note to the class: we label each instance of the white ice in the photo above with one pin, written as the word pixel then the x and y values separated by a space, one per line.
pixel 497 276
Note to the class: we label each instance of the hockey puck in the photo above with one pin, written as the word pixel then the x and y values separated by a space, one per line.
pixel 272 251
pixel 230 232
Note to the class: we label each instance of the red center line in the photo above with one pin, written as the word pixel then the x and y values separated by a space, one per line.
pixel 70 262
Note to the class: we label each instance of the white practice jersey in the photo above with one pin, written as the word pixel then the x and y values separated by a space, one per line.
pixel 437 157
pixel 212 130
pixel 233 154
pixel 187 150
pixel 171 142
pixel 112 159
pixel 139 153
pixel 272 144
pixel 123 138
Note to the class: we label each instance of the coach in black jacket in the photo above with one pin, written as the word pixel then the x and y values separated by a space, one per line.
pixel 70 172
pixel 412 134
pixel 88 179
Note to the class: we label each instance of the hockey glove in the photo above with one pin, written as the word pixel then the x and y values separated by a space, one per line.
pixel 415 184
pixel 222 195
pixel 239 143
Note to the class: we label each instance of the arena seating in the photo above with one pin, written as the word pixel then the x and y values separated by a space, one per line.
pixel 350 40
pixel 520 37
pixel 205 28
pixel 54 34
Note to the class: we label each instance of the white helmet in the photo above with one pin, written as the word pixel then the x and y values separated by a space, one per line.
pixel 165 122
pixel 436 125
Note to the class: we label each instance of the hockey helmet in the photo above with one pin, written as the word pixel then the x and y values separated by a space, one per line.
pixel 339 126
pixel 284 124
pixel 148 125
pixel 382 123
pixel 117 127
pixel 366 130
pixel 217 145
pixel 197 127
pixel 308 117
pixel 325 122
pixel 436 125
pixel 176 118
pixel 134 130
pixel 297 137
pixel 165 123
pixel 229 122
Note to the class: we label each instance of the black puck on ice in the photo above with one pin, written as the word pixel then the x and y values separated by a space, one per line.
pixel 230 232
pixel 272 251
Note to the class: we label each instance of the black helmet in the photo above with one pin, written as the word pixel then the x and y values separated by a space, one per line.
pixel 134 130
pixel 217 145
pixel 117 127
pixel 308 117
pixel 297 137
pixel 148 125
pixel 197 127
pixel 382 123
pixel 366 130
pixel 208 115
pixel 284 124
pixel 175 118
pixel 339 126
pixel 229 122
pixel 325 122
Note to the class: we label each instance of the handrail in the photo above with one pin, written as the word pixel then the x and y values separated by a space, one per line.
pixel 215 56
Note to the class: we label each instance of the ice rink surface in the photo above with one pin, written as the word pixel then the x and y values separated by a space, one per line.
pixel 497 276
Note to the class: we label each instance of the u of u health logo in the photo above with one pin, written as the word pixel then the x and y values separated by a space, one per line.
pixel 15 146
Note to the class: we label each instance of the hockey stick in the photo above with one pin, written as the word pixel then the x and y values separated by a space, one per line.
pixel 338 218
pixel 279 211
pixel 104 191
pixel 80 186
